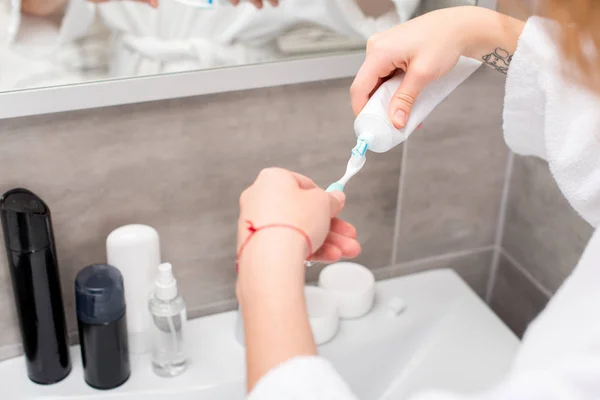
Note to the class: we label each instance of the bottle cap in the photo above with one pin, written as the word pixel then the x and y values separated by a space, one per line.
pixel 99 294
pixel 165 286
pixel 26 221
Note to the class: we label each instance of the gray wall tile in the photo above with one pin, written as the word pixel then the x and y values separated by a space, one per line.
pixel 473 267
pixel 455 173
pixel 542 232
pixel 180 166
pixel 515 299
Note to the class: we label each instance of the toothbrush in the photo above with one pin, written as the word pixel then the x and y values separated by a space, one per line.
pixel 357 161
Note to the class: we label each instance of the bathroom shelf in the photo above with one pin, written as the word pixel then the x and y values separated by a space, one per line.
pixel 445 338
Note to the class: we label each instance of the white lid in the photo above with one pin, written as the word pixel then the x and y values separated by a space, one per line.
pixel 347 277
pixel 165 285
pixel 353 287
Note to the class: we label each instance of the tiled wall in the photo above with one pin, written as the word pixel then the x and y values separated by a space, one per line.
pixel 180 166
pixel 543 238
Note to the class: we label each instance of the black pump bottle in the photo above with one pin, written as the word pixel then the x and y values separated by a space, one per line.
pixel 33 266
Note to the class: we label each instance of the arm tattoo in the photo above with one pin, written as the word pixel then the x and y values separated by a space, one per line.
pixel 499 60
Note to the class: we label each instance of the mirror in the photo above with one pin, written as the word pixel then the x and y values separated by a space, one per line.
pixel 56 42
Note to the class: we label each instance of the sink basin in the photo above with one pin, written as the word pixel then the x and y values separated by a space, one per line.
pixel 446 338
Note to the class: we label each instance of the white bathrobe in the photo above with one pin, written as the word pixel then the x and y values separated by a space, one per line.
pixel 38 52
pixel 560 353
pixel 176 37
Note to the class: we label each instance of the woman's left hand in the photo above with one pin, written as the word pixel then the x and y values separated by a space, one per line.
pixel 270 286
pixel 279 196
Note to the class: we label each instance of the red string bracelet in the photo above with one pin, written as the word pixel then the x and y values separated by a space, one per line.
pixel 253 229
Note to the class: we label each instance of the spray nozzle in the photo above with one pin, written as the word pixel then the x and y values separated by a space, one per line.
pixel 165 285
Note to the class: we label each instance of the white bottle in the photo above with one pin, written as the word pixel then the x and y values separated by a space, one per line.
pixel 167 307
pixel 373 125
pixel 135 251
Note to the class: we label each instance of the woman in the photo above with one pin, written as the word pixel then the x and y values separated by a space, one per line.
pixel 552 110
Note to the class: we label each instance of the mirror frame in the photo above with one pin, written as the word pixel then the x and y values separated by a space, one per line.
pixel 113 92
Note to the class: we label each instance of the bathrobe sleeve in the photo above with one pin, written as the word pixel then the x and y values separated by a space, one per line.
pixel 548 115
pixel 302 378
pixel 558 360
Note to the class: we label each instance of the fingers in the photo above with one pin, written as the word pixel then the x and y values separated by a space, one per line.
pixel 327 253
pixel 304 182
pixel 367 80
pixel 349 247
pixel 274 3
pixel 403 100
pixel 257 3
pixel 337 200
pixel 337 247
pixel 343 228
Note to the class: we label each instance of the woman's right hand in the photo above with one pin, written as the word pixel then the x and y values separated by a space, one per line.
pixel 426 48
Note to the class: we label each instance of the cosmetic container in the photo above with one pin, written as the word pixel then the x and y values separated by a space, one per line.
pixel 167 307
pixel 33 266
pixel 101 319
pixel 135 251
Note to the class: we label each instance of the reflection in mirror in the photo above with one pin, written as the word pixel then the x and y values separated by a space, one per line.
pixel 55 42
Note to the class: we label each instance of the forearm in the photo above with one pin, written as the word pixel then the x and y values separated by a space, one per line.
pixel 276 324
pixel 490 37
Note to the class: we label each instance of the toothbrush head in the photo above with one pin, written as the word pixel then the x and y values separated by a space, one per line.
pixel 336 186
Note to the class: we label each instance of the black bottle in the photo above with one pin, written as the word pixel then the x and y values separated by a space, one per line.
pixel 100 300
pixel 33 266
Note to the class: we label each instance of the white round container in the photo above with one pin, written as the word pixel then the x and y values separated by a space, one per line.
pixel 322 315
pixel 351 285
pixel 239 327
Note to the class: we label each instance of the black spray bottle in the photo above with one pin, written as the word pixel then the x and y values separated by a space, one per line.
pixel 100 299
pixel 33 266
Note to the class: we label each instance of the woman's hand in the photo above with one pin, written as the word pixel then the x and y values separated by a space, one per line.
pixel 283 197
pixel 270 286
pixel 427 48
pixel 257 3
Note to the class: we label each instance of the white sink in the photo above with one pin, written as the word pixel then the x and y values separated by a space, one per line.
pixel 446 338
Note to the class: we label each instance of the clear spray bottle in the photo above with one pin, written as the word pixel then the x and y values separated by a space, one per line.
pixel 167 307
